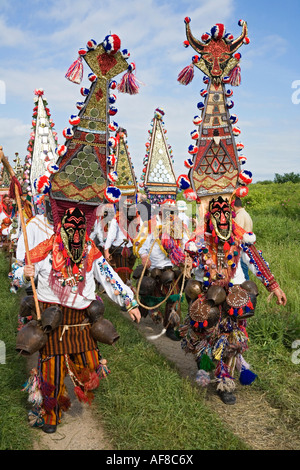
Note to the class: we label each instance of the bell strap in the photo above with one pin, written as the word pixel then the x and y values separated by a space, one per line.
pixel 66 327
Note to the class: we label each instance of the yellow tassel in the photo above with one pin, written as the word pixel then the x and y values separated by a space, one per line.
pixel 218 353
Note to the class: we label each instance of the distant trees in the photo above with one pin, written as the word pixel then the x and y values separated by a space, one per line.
pixel 287 177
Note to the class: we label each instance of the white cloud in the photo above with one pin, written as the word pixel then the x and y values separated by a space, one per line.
pixel 11 36
pixel 153 31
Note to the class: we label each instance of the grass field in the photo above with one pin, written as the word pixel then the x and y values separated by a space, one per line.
pixel 145 404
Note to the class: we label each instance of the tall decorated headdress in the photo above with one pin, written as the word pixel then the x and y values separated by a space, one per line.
pixel 122 173
pixel 216 159
pixel 158 177
pixel 40 161
pixel 85 158
pixel 5 179
pixel 18 167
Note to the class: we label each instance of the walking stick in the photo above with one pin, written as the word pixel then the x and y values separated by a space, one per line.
pixel 14 181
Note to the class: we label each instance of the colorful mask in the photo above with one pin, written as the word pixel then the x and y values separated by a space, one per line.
pixel 73 233
pixel 221 217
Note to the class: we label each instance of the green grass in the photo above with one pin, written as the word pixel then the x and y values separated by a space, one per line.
pixel 275 209
pixel 144 403
pixel 14 431
pixel 274 328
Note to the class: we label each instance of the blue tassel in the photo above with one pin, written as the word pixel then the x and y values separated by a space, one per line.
pixel 247 377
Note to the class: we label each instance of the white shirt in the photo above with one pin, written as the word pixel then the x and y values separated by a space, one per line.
pixel 185 218
pixel 97 232
pixel 244 220
pixel 38 229
pixel 2 216
pixel 157 258
pixel 101 271
pixel 115 236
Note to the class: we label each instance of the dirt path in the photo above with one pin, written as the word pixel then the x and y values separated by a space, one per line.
pixel 251 418
pixel 81 427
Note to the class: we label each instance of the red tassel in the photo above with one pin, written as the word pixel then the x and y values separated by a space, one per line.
pixel 250 305
pixel 125 253
pixel 75 71
pixel 81 395
pixel 93 382
pixel 226 246
pixel 49 403
pixel 75 269
pixel 240 311
pixel 235 76
pixel 186 75
pixel 64 403
pixel 14 182
pixel 230 311
pixel 128 84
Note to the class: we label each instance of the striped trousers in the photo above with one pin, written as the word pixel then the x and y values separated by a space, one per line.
pixel 53 370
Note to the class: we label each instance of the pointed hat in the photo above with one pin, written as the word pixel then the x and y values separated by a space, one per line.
pixel 158 176
pixel 215 162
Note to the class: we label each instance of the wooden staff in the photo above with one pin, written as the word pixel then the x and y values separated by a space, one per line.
pixel 5 162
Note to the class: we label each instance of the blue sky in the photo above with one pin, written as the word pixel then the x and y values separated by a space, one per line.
pixel 39 40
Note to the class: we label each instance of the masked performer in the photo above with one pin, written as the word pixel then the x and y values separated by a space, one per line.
pixel 100 230
pixel 221 300
pixel 118 246
pixel 162 252
pixel 38 228
pixel 66 266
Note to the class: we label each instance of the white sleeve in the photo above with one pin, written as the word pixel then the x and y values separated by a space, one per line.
pixel 111 235
pixel 145 248
pixel 97 232
pixel 115 288
pixel 18 275
pixel 20 250
pixel 245 258
pixel 31 230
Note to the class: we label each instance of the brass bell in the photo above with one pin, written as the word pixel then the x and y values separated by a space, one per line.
pixel 95 310
pixel 192 289
pixel 147 286
pixel 31 338
pixel 51 318
pixel 27 307
pixel 155 273
pixel 102 330
pixel 137 272
pixel 167 276
pixel 217 294
pixel 250 286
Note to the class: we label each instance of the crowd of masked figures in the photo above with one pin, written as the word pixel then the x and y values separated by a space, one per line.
pixel 184 267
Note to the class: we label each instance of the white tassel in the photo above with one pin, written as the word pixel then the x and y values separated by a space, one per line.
pixel 225 384
pixel 157 336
